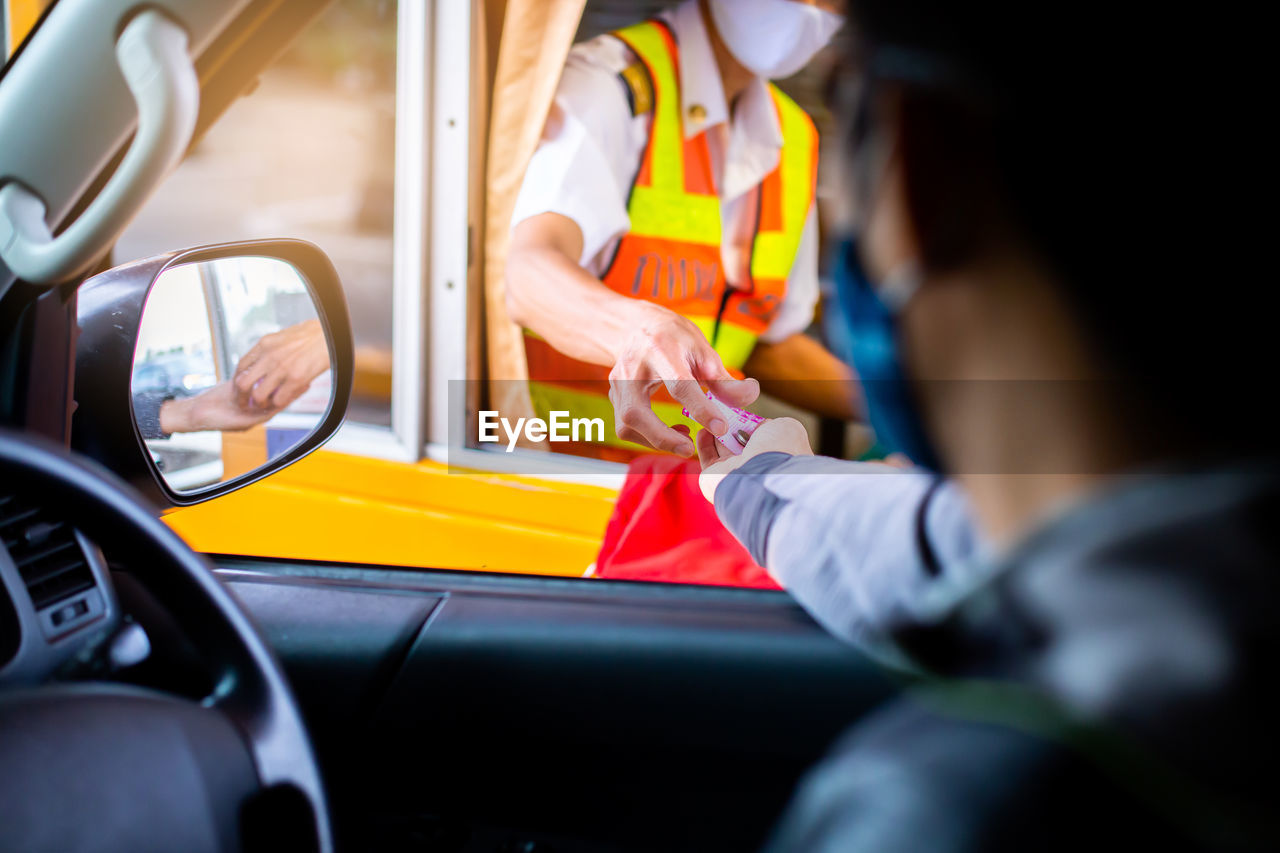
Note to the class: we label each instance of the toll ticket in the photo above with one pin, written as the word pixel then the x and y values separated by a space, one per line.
pixel 741 425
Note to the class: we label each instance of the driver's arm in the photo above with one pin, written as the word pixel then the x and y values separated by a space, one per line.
pixel 212 409
pixel 867 548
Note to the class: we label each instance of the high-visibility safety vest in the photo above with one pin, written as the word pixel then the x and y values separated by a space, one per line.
pixel 671 254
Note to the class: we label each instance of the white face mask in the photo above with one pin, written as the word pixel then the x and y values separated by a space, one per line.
pixel 773 38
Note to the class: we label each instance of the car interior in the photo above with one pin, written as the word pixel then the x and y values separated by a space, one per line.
pixel 155 698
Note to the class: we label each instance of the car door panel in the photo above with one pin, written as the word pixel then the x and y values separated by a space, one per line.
pixel 602 715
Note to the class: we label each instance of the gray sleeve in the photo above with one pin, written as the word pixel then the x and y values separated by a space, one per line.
pixel 146 413
pixel 864 547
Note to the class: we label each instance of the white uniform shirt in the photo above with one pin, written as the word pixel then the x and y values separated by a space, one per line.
pixel 592 145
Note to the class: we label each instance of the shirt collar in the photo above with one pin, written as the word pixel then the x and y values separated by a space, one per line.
pixel 700 84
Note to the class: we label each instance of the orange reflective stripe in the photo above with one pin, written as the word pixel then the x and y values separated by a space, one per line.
pixel 699 178
pixel 771 202
pixel 787 193
pixel 684 277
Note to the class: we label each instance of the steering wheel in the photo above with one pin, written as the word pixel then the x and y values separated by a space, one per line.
pixel 99 766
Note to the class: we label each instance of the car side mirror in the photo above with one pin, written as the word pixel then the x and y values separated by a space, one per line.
pixel 201 371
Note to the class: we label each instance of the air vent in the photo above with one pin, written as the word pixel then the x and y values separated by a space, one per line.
pixel 45 550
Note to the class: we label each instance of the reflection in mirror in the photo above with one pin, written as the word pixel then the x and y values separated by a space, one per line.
pixel 231 369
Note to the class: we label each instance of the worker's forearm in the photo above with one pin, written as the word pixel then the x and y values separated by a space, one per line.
pixel 800 371
pixel 573 310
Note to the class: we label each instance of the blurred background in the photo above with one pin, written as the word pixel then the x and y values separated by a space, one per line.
pixel 308 153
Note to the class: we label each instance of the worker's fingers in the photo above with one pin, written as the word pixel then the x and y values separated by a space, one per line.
pixel 264 390
pixel 642 426
pixel 251 357
pixel 252 367
pixel 709 367
pixel 634 419
pixel 288 391
pixel 673 368
pixel 688 393
pixel 739 393
pixel 711 372
pixel 247 381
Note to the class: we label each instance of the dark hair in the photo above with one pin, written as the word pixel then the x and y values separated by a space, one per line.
pixel 1082 122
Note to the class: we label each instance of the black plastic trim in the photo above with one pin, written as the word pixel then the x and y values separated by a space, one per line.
pixel 111 308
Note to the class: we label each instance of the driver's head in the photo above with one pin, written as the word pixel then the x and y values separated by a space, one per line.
pixel 1039 172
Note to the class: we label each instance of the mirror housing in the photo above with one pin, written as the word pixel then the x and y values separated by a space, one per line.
pixel 110 317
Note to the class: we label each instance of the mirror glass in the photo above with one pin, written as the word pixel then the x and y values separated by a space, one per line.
pixel 231 370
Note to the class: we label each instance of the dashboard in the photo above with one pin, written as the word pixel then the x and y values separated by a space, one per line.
pixel 56 597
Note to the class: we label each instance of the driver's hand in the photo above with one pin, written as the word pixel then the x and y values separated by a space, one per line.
pixel 213 409
pixel 786 435
pixel 281 367
pixel 665 349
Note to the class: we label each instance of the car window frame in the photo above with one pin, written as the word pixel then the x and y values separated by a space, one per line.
pixel 454 294
pixel 402 440
pixel 416 42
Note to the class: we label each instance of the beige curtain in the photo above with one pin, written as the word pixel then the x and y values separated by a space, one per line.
pixel 535 40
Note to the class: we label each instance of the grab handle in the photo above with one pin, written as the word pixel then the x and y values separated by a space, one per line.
pixel 152 53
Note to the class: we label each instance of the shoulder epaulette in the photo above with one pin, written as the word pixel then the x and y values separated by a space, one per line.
pixel 635 79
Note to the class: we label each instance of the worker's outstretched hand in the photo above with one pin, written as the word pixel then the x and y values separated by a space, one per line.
pixel 665 349
pixel 785 435
pixel 281 366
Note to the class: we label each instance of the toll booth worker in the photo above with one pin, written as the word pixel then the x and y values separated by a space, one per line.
pixel 665 233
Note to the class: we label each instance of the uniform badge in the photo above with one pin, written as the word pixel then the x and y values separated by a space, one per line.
pixel 635 79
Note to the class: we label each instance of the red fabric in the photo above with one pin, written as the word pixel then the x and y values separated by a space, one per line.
pixel 663 529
